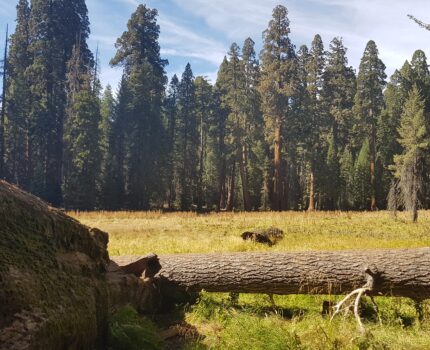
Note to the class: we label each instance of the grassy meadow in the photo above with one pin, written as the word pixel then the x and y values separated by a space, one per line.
pixel 296 321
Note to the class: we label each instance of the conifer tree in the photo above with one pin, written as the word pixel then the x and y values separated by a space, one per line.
pixel 186 145
pixel 315 118
pixel 19 140
pixel 204 111
pixel 171 111
pixel 277 89
pixel 338 93
pixel 369 102
pixel 415 141
pixel 107 111
pixel 218 134
pixel 138 51
pixel 81 136
pixel 253 147
pixel 3 108
pixel 234 99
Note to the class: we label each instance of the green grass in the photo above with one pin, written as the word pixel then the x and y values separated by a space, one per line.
pixel 296 323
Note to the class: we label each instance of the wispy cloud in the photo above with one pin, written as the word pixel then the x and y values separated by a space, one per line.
pixel 357 21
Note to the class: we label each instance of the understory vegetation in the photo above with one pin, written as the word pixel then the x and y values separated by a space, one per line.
pixel 218 321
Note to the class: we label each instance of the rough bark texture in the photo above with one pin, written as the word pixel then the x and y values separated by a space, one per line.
pixel 55 288
pixel 404 272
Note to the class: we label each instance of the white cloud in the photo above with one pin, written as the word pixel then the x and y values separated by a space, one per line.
pixel 177 40
pixel 357 21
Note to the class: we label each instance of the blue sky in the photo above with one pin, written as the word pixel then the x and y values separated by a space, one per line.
pixel 201 31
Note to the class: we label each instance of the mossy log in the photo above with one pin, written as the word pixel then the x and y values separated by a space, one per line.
pixel 57 284
pixel 402 273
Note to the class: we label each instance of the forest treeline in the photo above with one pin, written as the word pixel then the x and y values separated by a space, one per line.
pixel 287 129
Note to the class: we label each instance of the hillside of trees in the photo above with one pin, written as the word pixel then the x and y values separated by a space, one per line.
pixel 287 129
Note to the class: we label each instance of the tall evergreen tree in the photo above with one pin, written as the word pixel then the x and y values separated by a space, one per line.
pixel 338 92
pixel 186 147
pixel 3 108
pixel 369 102
pixel 204 111
pixel 138 51
pixel 315 122
pixel 81 136
pixel 415 141
pixel 19 139
pixel 107 111
pixel 171 112
pixel 218 135
pixel 277 89
pixel 253 145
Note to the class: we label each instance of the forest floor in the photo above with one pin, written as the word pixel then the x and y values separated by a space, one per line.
pixel 296 322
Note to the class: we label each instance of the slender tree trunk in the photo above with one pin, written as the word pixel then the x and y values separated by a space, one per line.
pixel 312 186
pixel 242 156
pixel 3 111
pixel 232 188
pixel 277 186
pixel 222 202
pixel 373 206
pixel 201 164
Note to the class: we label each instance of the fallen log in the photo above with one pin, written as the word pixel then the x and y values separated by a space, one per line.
pixel 400 273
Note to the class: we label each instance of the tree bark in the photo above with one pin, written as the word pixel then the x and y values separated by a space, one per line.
pixel 312 186
pixel 373 205
pixel 242 155
pixel 277 186
pixel 402 273
pixel 231 188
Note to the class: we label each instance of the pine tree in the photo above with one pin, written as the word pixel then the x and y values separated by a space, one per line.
pixel 114 182
pixel 107 111
pixel 253 147
pixel 338 93
pixel 138 51
pixel 171 111
pixel 315 122
pixel 415 141
pixel 204 111
pixel 217 135
pixel 234 99
pixel 54 28
pixel 18 139
pixel 369 102
pixel 3 108
pixel 81 136
pixel 277 88
pixel 186 147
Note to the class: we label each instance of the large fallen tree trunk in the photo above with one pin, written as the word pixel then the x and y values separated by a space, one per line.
pixel 403 273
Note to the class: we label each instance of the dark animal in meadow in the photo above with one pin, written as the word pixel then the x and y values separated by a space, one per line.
pixel 269 236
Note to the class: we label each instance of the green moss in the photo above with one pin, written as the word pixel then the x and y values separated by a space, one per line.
pixel 41 275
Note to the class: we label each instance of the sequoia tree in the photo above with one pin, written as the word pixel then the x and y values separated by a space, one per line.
pixel 369 102
pixel 278 66
pixel 138 51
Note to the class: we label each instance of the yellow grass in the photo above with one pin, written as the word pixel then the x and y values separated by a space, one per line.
pixel 153 232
